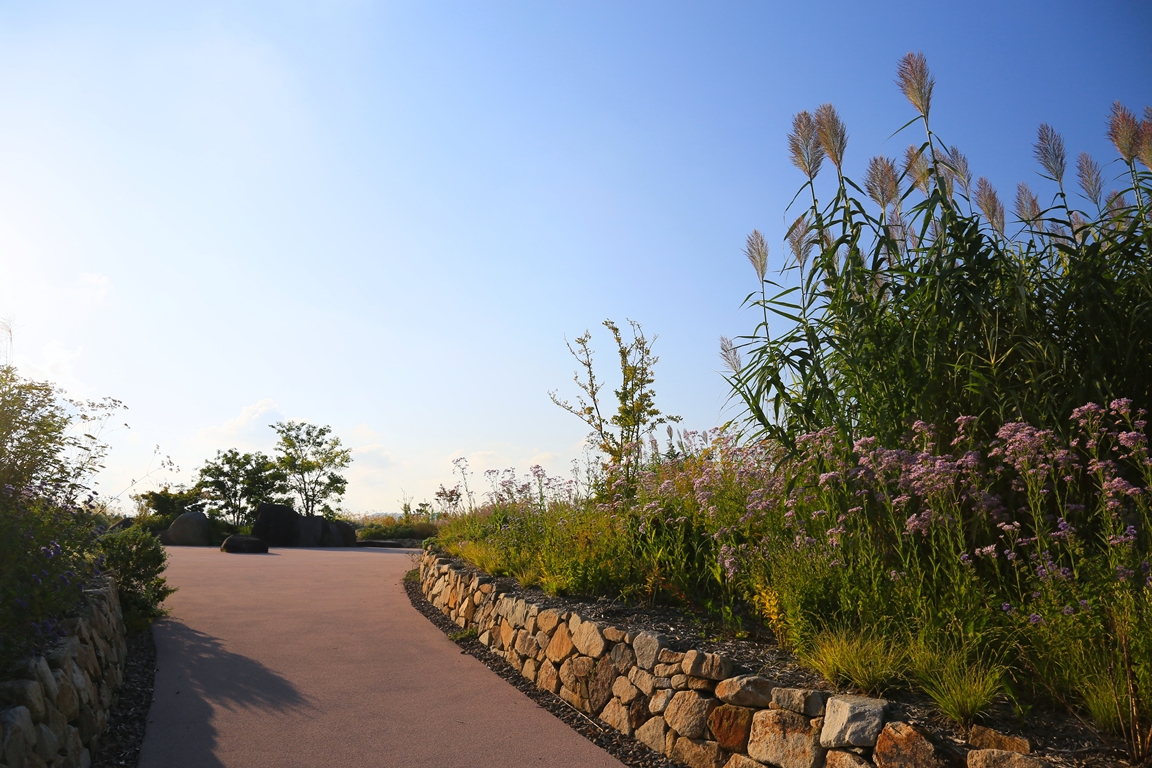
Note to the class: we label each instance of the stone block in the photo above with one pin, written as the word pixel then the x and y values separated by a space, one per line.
pixel 623 689
pixel 710 665
pixel 786 739
pixel 659 701
pixel 614 634
pixel 560 646
pixel 529 670
pixel 651 734
pixel 638 713
pixel 838 758
pixel 623 658
pixel 669 656
pixel 987 738
pixel 25 693
pixel 852 721
pixel 547 678
pixel 589 641
pixel 642 680
pixel 666 670
pixel 742 761
pixel 1001 758
pixel 731 726
pixel 547 620
pixel 745 691
pixel 901 745
pixel 616 715
pixel 572 697
pixel 698 753
pixel 800 700
pixel 647 645
pixel 600 685
pixel 687 713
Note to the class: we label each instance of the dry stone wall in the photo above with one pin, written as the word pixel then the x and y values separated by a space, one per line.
pixel 53 712
pixel 691 706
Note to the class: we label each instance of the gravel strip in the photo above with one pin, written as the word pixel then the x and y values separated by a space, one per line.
pixel 120 743
pixel 624 748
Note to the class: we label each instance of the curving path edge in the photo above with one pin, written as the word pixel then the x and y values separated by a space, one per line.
pixel 316 658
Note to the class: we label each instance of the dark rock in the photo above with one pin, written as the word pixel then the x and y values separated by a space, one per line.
pixel 121 525
pixel 345 534
pixel 238 544
pixel 277 525
pixel 191 529
pixel 380 543
pixel 310 531
pixel 165 537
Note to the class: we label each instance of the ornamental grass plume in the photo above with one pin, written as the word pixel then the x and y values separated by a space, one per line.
pixel 916 169
pixel 882 182
pixel 800 240
pixel 1028 207
pixel 1124 131
pixel 1049 151
pixel 804 145
pixel 730 355
pixel 756 249
pixel 956 164
pixel 832 133
pixel 989 203
pixel 1090 177
pixel 916 81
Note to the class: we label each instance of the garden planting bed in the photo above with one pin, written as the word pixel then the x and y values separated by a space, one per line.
pixel 649 684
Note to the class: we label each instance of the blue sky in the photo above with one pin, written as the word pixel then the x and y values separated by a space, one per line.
pixel 387 217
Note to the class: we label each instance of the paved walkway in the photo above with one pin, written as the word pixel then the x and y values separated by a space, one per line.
pixel 314 657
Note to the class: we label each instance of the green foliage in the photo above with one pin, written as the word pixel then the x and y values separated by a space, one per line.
pixel 47 553
pixel 311 461
pixel 47 439
pixel 913 302
pixel 137 559
pixel 235 484
pixel 464 635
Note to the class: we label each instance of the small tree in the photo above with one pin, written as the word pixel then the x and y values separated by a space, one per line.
pixel 49 439
pixel 236 483
pixel 311 461
pixel 620 438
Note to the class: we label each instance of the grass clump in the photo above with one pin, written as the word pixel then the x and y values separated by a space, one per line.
pixel 962 686
pixel 464 635
pixel 868 663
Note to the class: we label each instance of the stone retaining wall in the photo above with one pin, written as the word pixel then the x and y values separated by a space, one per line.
pixel 55 710
pixel 693 707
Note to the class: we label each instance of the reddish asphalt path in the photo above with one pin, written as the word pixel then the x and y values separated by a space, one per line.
pixel 314 657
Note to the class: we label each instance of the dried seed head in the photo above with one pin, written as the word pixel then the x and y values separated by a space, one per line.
pixel 1090 177
pixel 916 169
pixel 956 165
pixel 730 355
pixel 1118 211
pixel 800 240
pixel 804 145
pixel 756 249
pixel 1124 132
pixel 1050 152
pixel 916 81
pixel 1027 206
pixel 989 202
pixel 881 181
pixel 832 133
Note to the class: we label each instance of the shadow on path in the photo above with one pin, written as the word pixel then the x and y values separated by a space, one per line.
pixel 196 675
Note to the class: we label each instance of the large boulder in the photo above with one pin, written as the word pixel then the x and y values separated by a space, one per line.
pixel 121 525
pixel 276 524
pixel 238 544
pixel 310 531
pixel 191 529
pixel 338 533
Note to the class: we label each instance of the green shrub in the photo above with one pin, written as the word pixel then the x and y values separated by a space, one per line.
pixel 47 552
pixel 137 559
